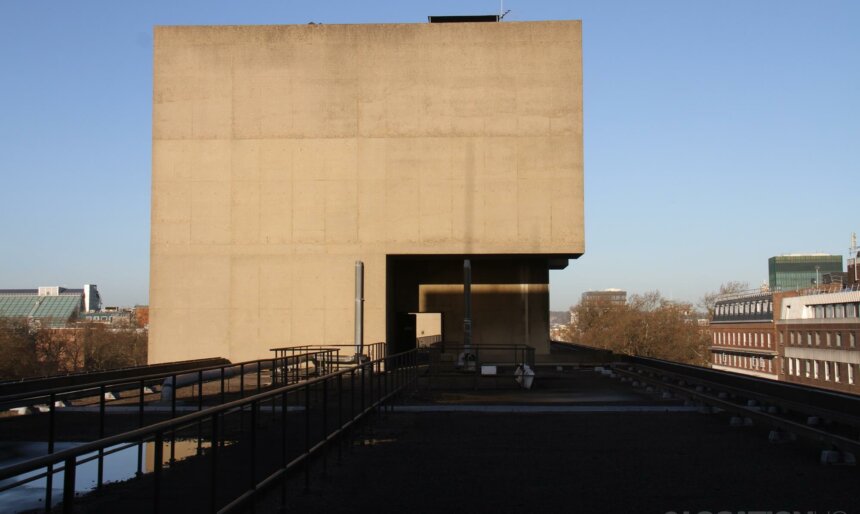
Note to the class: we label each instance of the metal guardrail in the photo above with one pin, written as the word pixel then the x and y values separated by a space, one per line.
pixel 29 385
pixel 284 370
pixel 815 401
pixel 371 384
pixel 373 351
pixel 792 402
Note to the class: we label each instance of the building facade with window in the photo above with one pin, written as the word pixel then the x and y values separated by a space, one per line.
pixel 743 335
pixel 800 270
pixel 819 336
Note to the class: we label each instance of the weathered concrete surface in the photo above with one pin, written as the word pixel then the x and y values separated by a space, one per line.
pixel 282 154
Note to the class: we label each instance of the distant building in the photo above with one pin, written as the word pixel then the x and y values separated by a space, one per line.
pixel 110 316
pixel 616 296
pixel 743 334
pixel 852 276
pixel 820 334
pixel 800 270
pixel 48 306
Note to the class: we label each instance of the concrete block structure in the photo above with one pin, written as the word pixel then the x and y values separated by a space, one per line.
pixel 283 154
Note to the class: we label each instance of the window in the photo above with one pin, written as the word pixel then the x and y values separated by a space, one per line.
pixel 827 371
pixel 851 310
pixel 770 365
pixel 807 368
pixel 851 339
pixel 827 338
pixel 850 373
pixel 819 311
pixel 790 367
pixel 815 370
pixel 838 337
pixel 781 338
pixel 828 311
pixel 836 372
pixel 809 338
pixel 768 339
pixel 791 337
pixel 818 339
pixel 840 311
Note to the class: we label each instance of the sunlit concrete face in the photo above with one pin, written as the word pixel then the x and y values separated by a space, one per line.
pixel 282 154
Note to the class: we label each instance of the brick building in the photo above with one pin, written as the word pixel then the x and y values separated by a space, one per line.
pixel 743 335
pixel 818 337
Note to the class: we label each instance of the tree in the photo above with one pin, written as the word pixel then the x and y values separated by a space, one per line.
pixel 648 325
pixel 18 347
pixel 709 299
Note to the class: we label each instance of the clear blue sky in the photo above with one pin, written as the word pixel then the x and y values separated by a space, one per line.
pixel 717 134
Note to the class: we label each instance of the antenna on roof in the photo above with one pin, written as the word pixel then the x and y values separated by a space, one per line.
pixel 502 11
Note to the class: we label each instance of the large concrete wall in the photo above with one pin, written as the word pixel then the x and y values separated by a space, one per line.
pixel 282 154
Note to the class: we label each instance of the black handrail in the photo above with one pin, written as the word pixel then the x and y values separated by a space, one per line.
pixel 385 378
pixel 88 387
pixel 196 377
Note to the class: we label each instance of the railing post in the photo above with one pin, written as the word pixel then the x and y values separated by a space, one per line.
pixel 68 486
pixel 174 392
pixel 101 468
pixel 49 479
pixel 223 394
pixel 307 437
pixel 340 415
pixel 213 465
pixel 284 449
pixel 253 471
pixel 157 465
pixel 325 426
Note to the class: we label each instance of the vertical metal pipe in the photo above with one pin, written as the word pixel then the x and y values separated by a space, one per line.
pixel 467 302
pixel 359 308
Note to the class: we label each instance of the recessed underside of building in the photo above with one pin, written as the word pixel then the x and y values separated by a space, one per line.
pixel 283 154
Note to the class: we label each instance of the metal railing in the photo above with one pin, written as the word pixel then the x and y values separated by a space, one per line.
pixel 305 418
pixel 165 388
pixel 82 378
pixel 785 407
pixel 373 351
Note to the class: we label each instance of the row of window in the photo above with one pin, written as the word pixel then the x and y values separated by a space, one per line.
pixel 830 338
pixel 837 310
pixel 815 369
pixel 738 308
pixel 753 362
pixel 750 339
